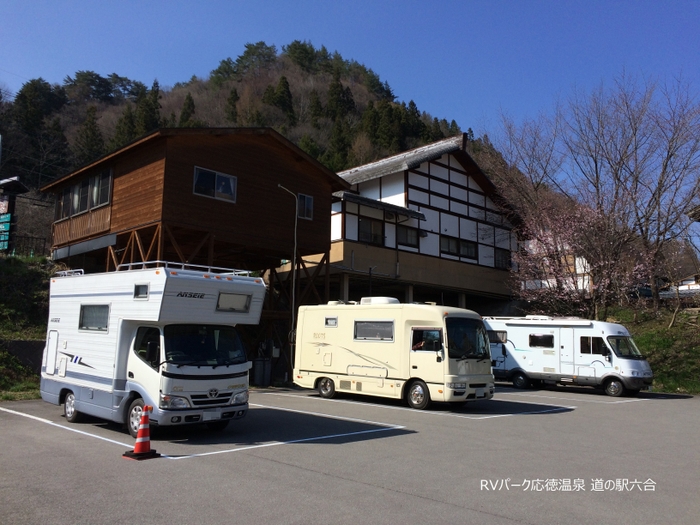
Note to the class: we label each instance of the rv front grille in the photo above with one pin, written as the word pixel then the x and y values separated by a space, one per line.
pixel 204 401
pixel 478 385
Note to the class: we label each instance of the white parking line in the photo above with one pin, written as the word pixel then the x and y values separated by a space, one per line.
pixel 385 427
pixel 555 408
pixel 42 420
pixel 579 399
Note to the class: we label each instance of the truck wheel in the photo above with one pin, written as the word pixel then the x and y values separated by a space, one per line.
pixel 133 417
pixel 520 380
pixel 614 388
pixel 217 426
pixel 326 388
pixel 418 395
pixel 72 415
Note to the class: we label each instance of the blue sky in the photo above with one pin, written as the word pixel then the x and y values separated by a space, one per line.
pixel 463 60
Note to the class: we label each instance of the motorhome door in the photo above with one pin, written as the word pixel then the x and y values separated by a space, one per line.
pixel 427 359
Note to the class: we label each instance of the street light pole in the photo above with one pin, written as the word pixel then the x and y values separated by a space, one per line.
pixel 292 330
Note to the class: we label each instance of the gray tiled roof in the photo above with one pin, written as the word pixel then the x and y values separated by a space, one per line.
pixel 403 161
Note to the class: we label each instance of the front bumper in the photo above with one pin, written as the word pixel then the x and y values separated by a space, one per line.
pixel 165 418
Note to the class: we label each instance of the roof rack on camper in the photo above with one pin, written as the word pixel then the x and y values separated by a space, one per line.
pixel 181 267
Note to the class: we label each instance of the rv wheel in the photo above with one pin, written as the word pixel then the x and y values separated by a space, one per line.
pixel 72 415
pixel 418 395
pixel 326 387
pixel 133 418
pixel 520 380
pixel 614 388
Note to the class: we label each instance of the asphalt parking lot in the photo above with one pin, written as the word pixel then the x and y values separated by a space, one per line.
pixel 549 456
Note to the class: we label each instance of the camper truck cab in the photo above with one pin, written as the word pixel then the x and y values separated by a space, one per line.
pixel 534 349
pixel 380 347
pixel 158 334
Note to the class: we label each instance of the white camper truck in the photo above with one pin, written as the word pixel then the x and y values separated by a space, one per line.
pixel 380 347
pixel 567 351
pixel 161 335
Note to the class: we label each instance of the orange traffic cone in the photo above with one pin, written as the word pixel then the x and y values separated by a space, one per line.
pixel 142 449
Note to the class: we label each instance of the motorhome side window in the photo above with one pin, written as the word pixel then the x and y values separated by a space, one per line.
pixel 592 345
pixel 145 335
pixel 424 339
pixel 141 291
pixel 233 302
pixel 94 317
pixel 541 341
pixel 374 330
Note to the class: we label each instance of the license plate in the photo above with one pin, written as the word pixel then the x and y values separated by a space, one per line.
pixel 211 415
pixel 480 392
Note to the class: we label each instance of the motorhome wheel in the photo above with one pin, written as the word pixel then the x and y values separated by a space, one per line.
pixel 520 380
pixel 133 419
pixel 614 388
pixel 326 387
pixel 418 395
pixel 72 415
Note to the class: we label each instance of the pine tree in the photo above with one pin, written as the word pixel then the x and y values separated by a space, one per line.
pixel 283 100
pixel 315 108
pixel 89 144
pixel 231 109
pixel 187 111
pixel 125 130
pixel 148 110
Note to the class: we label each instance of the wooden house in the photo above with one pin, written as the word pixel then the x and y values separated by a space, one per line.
pixel 221 197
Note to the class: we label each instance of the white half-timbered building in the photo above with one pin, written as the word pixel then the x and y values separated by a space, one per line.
pixel 423 226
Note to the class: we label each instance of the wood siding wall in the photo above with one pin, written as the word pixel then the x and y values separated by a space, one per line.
pixel 137 187
pixel 262 218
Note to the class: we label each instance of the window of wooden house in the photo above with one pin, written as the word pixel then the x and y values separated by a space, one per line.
pixel 407 236
pixel 99 189
pixel 306 206
pixel 213 184
pixel 371 231
pixel 89 193
pixel 81 193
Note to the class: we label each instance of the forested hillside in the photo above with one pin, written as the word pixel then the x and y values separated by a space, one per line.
pixel 337 110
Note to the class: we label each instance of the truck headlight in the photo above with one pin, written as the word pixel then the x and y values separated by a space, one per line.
pixel 457 386
pixel 173 402
pixel 240 398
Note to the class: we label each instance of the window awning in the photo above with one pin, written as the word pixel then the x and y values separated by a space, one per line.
pixel 380 205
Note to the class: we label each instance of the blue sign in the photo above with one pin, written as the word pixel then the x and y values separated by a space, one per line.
pixel 5 217
pixel 4 226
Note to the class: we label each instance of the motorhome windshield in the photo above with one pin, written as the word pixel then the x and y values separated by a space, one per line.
pixel 467 338
pixel 203 345
pixel 624 347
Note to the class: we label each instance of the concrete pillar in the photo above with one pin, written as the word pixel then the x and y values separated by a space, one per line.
pixel 409 293
pixel 345 287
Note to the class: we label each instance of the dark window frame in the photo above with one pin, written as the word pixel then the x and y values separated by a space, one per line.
pixel 371 237
pixel 403 233
pixel 221 187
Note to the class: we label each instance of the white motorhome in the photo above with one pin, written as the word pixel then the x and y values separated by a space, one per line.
pixel 157 334
pixel 534 349
pixel 380 347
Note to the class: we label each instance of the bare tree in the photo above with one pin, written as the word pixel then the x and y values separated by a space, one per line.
pixel 627 162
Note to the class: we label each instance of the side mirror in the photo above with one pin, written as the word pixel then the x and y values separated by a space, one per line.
pixel 503 350
pixel 152 351
pixel 439 353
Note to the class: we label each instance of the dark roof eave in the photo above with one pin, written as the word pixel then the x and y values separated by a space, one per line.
pixel 380 205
